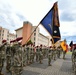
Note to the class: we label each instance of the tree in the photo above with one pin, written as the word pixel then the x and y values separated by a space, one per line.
pixel 29 42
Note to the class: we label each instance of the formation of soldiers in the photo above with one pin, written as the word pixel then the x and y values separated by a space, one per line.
pixel 18 56
pixel 74 59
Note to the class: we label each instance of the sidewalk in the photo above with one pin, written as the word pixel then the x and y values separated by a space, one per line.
pixel 59 67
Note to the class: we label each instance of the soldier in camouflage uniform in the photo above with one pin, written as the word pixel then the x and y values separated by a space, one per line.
pixel 31 54
pixel 24 55
pixel 64 53
pixel 37 54
pixel 54 52
pixel 58 51
pixel 74 59
pixel 28 54
pixel 2 57
pixel 17 60
pixel 43 51
pixel 49 56
pixel 40 54
pixel 8 58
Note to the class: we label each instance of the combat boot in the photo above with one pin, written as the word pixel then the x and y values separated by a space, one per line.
pixel 41 62
pixel 49 65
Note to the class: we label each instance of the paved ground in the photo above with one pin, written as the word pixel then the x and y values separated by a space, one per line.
pixel 59 67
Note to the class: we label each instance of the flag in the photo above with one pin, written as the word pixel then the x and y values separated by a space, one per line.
pixel 63 45
pixel 66 48
pixel 51 23
pixel 71 45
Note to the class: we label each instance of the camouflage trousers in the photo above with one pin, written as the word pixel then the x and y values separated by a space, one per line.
pixel 1 65
pixel 31 58
pixel 16 70
pixel 49 60
pixel 8 64
pixel 58 54
pixel 37 57
pixel 64 54
pixel 40 58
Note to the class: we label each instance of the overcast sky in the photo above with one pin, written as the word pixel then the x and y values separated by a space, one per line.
pixel 14 12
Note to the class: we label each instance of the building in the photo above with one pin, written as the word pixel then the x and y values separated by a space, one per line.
pixel 5 35
pixel 11 37
pixel 32 32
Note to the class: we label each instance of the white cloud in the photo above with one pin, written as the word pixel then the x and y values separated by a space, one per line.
pixel 9 18
pixel 68 28
pixel 33 10
pixel 13 13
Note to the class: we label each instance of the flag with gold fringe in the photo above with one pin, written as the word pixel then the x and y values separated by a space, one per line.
pixel 51 23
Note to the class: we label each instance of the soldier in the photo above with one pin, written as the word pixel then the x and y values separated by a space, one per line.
pixel 8 58
pixel 32 54
pixel 17 60
pixel 74 59
pixel 58 51
pixel 40 54
pixel 55 52
pixel 24 55
pixel 37 54
pixel 49 56
pixel 28 49
pixel 64 53
pixel 2 57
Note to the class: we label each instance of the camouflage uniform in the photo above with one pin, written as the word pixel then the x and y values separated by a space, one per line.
pixel 24 56
pixel 32 54
pixel 28 54
pixel 37 53
pixel 58 52
pixel 64 53
pixel 74 60
pixel 72 57
pixel 49 56
pixel 8 58
pixel 17 61
pixel 2 57
pixel 54 52
pixel 40 55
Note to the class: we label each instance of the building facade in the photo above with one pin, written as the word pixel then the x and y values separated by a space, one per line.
pixel 11 37
pixel 5 35
pixel 36 37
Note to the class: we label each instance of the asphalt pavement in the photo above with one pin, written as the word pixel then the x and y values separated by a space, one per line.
pixel 59 67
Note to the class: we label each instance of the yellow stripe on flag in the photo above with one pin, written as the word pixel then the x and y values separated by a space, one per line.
pixel 63 45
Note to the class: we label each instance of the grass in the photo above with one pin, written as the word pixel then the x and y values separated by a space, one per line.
pixel 69 52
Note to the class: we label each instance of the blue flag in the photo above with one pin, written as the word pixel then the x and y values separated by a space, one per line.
pixel 51 23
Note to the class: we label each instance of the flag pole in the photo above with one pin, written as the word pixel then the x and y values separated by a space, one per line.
pixel 54 7
pixel 31 34
pixel 52 28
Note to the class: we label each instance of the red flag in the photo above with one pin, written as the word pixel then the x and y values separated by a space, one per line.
pixel 66 48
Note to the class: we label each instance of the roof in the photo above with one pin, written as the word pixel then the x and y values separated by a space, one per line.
pixel 43 35
pixel 19 28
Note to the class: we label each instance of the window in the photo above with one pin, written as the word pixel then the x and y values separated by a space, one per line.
pixel 34 43
pixel 2 34
pixel 34 34
pixel 34 38
pixel 3 30
pixel 7 35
